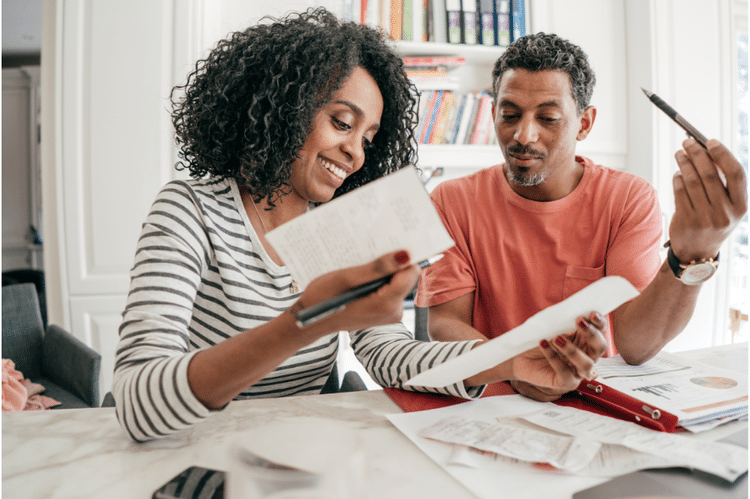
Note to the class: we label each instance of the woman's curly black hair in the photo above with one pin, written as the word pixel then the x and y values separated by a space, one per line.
pixel 248 107
pixel 541 51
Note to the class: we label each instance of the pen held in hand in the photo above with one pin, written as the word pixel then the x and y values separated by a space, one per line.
pixel 319 311
pixel 690 129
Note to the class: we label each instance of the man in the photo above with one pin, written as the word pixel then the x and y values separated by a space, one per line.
pixel 546 223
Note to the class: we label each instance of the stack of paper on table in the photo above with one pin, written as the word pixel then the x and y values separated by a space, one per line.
pixel 681 392
pixel 498 443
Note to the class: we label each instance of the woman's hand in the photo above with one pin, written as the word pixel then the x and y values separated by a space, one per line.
pixel 383 306
pixel 554 368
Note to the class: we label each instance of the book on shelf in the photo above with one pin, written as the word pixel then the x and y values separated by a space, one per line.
pixel 430 113
pixel 454 22
pixel 502 23
pixel 433 72
pixel 449 118
pixel 463 121
pixel 483 124
pixel 407 20
pixel 517 19
pixel 438 22
pixel 433 61
pixel 487 22
pixel 446 108
pixel 396 18
pixel 471 22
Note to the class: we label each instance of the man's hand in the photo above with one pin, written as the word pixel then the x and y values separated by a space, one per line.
pixel 706 211
pixel 554 368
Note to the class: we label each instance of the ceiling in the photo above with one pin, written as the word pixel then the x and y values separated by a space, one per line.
pixel 22 27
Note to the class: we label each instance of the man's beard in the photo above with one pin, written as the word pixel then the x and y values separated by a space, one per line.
pixel 526 180
pixel 519 178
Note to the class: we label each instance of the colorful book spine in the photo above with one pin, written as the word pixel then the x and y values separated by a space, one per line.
pixel 517 19
pixel 453 20
pixel 486 21
pixel 470 22
pixel 502 19
pixel 446 108
pixel 479 124
pixel 449 133
pixel 431 61
pixel 428 116
pixel 385 15
pixel 424 98
pixel 467 118
pixel 396 19
pixel 363 12
pixel 407 21
pixel 439 21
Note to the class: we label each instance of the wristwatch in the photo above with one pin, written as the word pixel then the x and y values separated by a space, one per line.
pixel 695 272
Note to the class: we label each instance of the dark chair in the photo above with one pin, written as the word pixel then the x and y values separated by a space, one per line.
pixel 350 383
pixel 34 276
pixel 64 365
pixel 420 323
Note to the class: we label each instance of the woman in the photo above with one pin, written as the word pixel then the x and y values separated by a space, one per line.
pixel 277 118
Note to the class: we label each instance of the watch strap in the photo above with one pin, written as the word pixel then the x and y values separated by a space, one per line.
pixel 678 267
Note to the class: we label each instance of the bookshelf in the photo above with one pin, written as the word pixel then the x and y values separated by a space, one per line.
pixel 474 75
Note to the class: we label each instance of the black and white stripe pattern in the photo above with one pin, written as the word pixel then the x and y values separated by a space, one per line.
pixel 200 276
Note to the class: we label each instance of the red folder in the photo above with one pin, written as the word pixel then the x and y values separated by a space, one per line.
pixel 605 401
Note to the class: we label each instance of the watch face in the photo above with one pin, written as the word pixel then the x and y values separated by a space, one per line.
pixel 698 273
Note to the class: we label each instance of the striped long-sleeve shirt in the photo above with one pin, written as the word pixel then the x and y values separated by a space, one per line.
pixel 201 275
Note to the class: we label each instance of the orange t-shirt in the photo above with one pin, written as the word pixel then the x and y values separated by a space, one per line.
pixel 520 256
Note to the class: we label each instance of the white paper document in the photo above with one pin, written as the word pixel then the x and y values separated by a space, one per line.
pixel 510 440
pixel 623 447
pixel 389 214
pixel 691 390
pixel 602 296
pixel 502 476
pixel 721 459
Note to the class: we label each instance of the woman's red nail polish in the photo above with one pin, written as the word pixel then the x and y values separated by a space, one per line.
pixel 402 257
pixel 582 324
pixel 544 344
pixel 560 341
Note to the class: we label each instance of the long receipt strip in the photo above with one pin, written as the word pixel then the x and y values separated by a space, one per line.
pixel 602 296
pixel 391 213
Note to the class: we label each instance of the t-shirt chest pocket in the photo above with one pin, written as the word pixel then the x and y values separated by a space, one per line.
pixel 577 278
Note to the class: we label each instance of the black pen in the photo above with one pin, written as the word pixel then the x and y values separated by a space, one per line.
pixel 309 315
pixel 690 129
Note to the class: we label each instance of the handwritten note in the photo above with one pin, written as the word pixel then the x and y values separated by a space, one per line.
pixel 388 214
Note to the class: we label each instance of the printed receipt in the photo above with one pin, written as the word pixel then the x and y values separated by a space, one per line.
pixel 721 459
pixel 567 453
pixel 602 296
pixel 391 213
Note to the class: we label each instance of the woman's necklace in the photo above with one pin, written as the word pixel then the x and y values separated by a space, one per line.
pixel 293 287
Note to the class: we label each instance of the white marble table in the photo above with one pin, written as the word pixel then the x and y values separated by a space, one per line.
pixel 84 453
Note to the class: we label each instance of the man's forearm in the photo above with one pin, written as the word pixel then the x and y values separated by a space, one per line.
pixel 643 326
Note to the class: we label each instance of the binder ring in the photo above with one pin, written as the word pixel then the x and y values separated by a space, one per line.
pixel 596 388
pixel 655 413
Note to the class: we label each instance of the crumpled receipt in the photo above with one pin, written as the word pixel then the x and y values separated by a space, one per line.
pixel 510 440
